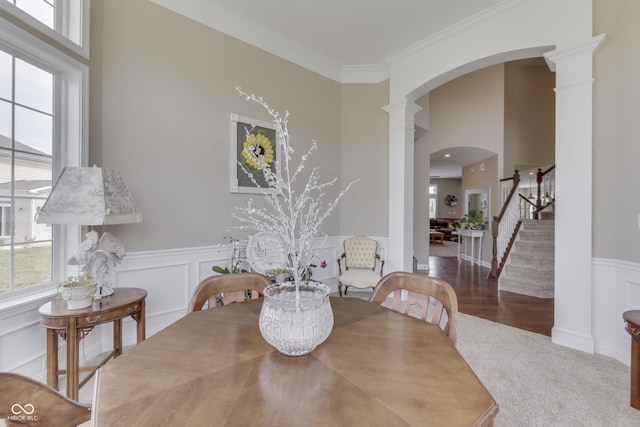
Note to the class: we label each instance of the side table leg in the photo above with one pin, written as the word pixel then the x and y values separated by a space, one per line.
pixel 635 373
pixel 141 325
pixel 117 337
pixel 73 370
pixel 52 358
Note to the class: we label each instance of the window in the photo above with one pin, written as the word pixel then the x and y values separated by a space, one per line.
pixel 433 201
pixel 43 101
pixel 61 20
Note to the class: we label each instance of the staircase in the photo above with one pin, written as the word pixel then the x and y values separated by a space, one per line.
pixel 529 270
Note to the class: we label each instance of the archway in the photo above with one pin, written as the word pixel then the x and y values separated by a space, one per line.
pixel 489 42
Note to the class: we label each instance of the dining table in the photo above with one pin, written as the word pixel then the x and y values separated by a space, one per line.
pixel 213 368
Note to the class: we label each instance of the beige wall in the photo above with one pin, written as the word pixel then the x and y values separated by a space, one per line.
pixel 465 112
pixel 529 116
pixel 365 154
pixel 451 186
pixel 162 89
pixel 616 147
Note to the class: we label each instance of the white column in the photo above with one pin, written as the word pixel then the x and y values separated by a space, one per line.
pixel 401 152
pixel 573 257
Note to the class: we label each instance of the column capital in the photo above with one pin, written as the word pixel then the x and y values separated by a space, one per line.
pixel 402 106
pixel 575 49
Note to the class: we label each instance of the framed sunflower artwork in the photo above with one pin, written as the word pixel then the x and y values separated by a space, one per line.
pixel 259 139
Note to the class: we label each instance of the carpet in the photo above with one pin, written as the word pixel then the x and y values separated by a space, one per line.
pixel 535 382
pixel 447 249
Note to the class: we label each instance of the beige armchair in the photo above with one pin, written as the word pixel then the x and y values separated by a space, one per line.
pixel 360 259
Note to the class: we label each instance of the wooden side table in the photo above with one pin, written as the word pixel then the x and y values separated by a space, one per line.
pixel 73 325
pixel 632 319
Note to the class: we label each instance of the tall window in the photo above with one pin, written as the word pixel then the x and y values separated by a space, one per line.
pixel 433 201
pixel 43 101
pixel 26 153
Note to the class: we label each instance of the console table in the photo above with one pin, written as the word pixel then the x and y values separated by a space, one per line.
pixel 73 325
pixel 470 235
pixel 632 319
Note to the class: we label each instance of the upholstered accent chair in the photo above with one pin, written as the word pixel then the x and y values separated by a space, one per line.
pixel 360 259
pixel 429 298
pixel 226 289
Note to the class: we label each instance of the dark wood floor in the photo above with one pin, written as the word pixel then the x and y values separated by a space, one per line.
pixel 479 296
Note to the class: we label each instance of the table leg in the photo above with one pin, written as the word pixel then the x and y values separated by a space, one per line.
pixel 73 370
pixel 635 373
pixel 117 337
pixel 141 325
pixel 52 358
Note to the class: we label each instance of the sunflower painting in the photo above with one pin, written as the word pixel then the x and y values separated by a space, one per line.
pixel 257 146
pixel 250 140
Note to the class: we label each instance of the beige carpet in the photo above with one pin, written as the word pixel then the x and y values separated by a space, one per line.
pixel 535 382
pixel 447 249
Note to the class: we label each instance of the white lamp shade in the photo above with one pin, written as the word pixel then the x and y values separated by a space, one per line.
pixel 89 196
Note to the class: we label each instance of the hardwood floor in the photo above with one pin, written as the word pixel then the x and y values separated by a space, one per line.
pixel 479 296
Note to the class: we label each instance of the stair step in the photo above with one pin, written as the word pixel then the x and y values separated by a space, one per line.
pixel 539 289
pixel 529 247
pixel 532 224
pixel 537 235
pixel 538 260
pixel 529 272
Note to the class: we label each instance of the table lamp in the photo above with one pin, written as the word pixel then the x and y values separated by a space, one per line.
pixel 92 196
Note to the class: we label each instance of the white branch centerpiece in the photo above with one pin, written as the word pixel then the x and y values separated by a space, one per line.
pixel 293 215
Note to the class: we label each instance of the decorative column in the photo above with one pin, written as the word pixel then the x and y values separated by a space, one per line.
pixel 401 153
pixel 573 256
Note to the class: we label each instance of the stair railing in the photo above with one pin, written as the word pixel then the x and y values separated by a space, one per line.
pixel 546 189
pixel 505 226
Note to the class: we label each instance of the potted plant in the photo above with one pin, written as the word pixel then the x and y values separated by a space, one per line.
pixel 78 291
pixel 295 317
pixel 473 220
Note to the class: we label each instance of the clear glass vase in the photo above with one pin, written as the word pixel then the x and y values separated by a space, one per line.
pixel 295 324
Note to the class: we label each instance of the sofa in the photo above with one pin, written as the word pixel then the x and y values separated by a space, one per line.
pixel 445 226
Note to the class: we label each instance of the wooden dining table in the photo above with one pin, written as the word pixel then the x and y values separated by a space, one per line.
pixel 213 368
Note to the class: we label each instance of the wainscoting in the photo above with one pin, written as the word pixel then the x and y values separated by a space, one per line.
pixel 169 277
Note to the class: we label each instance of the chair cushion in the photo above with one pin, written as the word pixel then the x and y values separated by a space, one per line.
pixel 360 252
pixel 360 278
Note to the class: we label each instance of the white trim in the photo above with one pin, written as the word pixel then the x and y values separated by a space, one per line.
pixel 82 49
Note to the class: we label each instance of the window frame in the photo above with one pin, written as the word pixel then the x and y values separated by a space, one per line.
pixel 70 139
pixel 433 197
pixel 61 18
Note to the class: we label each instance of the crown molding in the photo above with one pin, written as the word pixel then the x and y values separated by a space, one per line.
pixel 253 33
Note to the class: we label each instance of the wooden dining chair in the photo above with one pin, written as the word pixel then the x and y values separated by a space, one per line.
pixel 24 401
pixel 427 298
pixel 226 289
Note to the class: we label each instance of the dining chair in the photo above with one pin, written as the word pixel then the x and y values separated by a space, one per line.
pixel 360 258
pixel 426 297
pixel 24 401
pixel 226 289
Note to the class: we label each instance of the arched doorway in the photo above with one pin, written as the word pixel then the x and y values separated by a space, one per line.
pixel 489 42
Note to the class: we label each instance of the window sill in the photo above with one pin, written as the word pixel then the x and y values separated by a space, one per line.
pixel 13 306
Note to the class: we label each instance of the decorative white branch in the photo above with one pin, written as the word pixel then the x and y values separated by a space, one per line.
pixel 294 219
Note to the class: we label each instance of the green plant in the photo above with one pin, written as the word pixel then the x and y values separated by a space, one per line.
pixel 86 280
pixel 226 270
pixel 473 220
pixel 276 271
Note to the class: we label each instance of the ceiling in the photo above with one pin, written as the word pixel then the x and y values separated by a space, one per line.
pixel 351 41
pixel 448 163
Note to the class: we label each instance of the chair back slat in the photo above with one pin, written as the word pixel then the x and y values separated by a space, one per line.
pixel 233 288
pixel 428 298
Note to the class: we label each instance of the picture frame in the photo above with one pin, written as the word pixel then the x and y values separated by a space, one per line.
pixel 240 182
